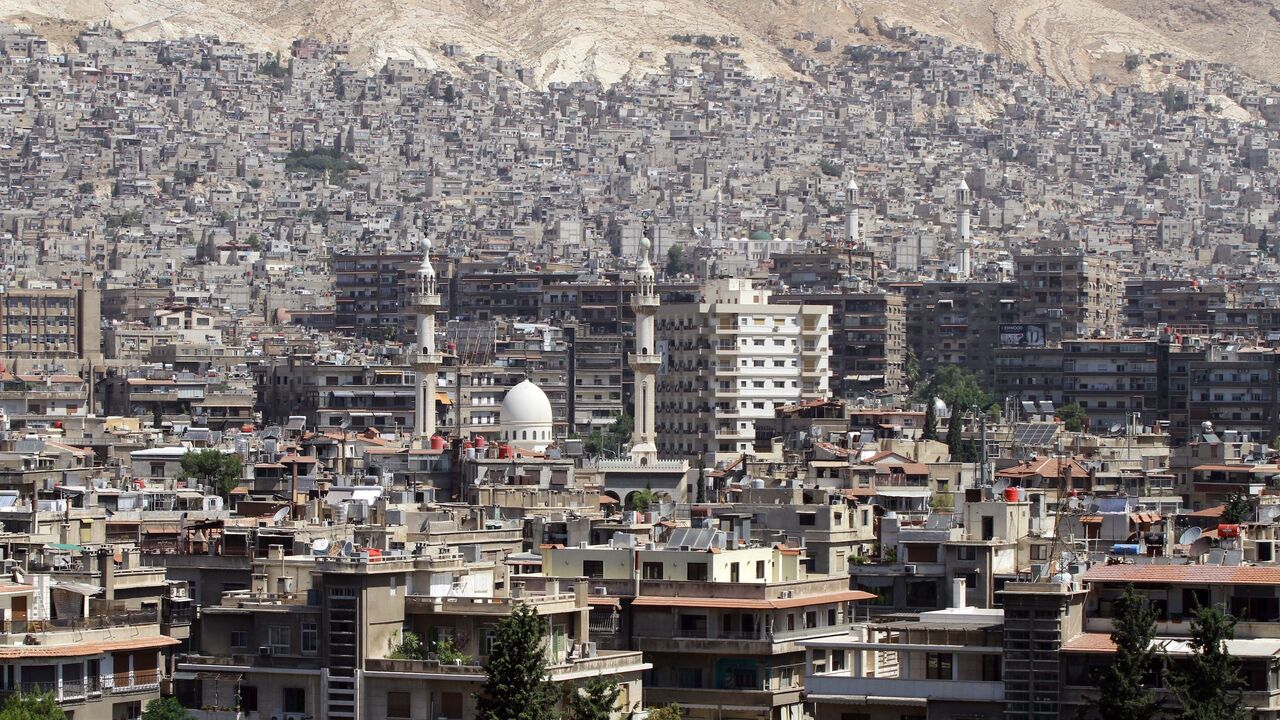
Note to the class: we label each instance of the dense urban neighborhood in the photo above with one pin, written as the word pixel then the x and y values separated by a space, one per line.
pixel 916 385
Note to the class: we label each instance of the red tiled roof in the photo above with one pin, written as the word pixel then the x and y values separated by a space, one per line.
pixel 1185 574
pixel 85 649
pixel 1090 643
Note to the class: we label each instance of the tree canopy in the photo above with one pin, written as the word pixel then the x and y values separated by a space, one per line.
pixel 596 700
pixel 1123 685
pixel 1072 417
pixel 960 388
pixel 1238 509
pixel 677 261
pixel 165 708
pixel 1207 684
pixel 31 706
pixel 516 685
pixel 214 468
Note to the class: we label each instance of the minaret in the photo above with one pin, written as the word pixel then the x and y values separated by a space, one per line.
pixel 425 300
pixel 854 232
pixel 963 251
pixel 644 360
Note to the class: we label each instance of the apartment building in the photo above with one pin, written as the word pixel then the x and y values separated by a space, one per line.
pixel 97 634
pixel 371 293
pixel 1071 295
pixel 719 619
pixel 868 340
pixel 957 323
pixel 51 323
pixel 314 637
pixel 338 395
pixel 734 358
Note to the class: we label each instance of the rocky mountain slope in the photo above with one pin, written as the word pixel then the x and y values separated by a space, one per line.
pixel 1081 42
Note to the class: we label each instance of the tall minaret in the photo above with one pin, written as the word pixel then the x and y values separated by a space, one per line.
pixel 425 300
pixel 964 251
pixel 854 233
pixel 644 359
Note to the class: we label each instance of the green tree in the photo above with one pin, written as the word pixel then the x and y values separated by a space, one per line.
pixel 516 686
pixel 1207 685
pixel 1238 509
pixel 31 706
pixel 1072 417
pixel 85 188
pixel 214 468
pixel 930 431
pixel 955 442
pixel 642 500
pixel 670 712
pixel 596 700
pixel 409 647
pixel 165 708
pixel 677 263
pixel 1123 692
pixel 911 368
pixel 958 387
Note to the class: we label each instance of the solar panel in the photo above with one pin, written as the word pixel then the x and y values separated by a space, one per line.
pixel 1046 407
pixel 1034 434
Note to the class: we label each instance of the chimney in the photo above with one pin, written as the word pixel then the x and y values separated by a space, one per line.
pixel 958 588
pixel 107 568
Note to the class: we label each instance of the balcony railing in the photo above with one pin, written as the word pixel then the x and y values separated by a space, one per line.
pixel 93 622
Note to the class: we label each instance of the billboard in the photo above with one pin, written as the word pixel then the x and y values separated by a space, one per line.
pixel 1021 335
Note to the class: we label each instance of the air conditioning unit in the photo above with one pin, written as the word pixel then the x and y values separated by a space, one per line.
pixel 785 595
pixel 909 569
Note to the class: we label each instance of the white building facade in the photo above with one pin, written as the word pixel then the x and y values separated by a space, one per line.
pixel 733 359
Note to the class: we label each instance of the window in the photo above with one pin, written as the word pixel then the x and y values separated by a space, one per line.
pixel 652 571
pixel 295 700
pixel 697 571
pixel 1039 552
pixel 126 710
pixel 938 666
pixel 278 639
pixel 808 519
pixel 310 638
pixel 398 705
pixel 248 698
pixel 966 552
pixel 760 568
pixel 239 639
pixel 593 569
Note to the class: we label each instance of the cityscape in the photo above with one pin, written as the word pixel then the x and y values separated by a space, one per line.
pixel 913 383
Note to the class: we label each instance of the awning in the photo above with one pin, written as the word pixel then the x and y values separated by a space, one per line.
pixel 215 676
pixel 64 547
pixel 78 588
pixel 443 398
pixel 903 491
pixel 753 603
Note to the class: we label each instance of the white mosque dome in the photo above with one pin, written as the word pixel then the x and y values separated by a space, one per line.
pixel 527 420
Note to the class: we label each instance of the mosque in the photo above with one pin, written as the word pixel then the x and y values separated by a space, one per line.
pixel 527 419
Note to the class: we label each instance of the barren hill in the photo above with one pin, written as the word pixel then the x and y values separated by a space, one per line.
pixel 1080 42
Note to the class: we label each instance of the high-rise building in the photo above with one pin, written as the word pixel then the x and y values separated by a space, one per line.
pixel 51 323
pixel 732 359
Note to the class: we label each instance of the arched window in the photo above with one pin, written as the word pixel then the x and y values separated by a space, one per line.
pixel 524 434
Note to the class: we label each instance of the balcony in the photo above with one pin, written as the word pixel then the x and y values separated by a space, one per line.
pixel 758 642
pixel 645 360
pixel 841 684
pixel 94 622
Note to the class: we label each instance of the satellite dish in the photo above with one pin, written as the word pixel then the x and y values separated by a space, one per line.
pixel 279 516
pixel 1189 536
pixel 320 546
